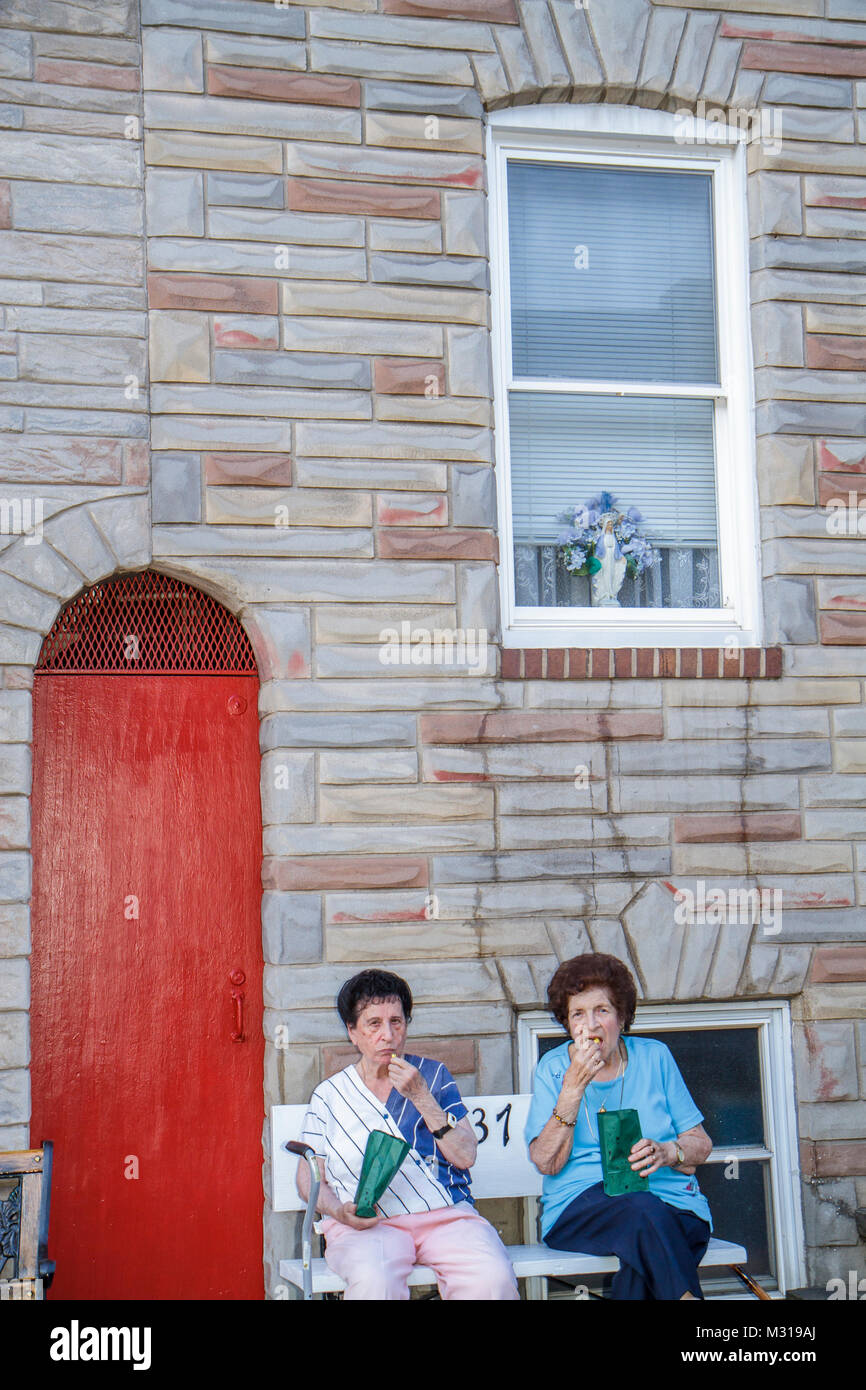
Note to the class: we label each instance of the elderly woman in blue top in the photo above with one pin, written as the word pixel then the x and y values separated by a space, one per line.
pixel 426 1213
pixel 660 1236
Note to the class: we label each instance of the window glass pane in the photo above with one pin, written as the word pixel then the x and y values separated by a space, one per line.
pixel 652 453
pixel 741 1207
pixel 611 273
pixel 721 1069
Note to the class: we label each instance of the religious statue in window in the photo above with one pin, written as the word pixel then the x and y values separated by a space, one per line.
pixel 605 543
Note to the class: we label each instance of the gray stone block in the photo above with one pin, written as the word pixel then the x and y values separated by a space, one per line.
pixel 172 62
pixel 246 190
pixel 423 99
pixel 793 89
pixel 544 47
pixel 826 1061
pixel 317 230
pixel 458 272
pixel 16 50
pixel 517 60
pixel 59 207
pixel 14 984
pixel 495 1065
pixel 292 928
pixel 14 930
pixel 74 535
pixel 660 52
pixel 14 1097
pixel 789 610
pixel 392 28
pixel 236 16
pixel 175 202
pixel 404 64
pixel 14 1040
pixel 491 78
pixel 338 731
pixel 464 216
pixel 694 55
pixel 124 522
pixel 721 71
pixel 777 335
pixel 473 496
pixel 828 1212
pixel 176 488
pixel 310 369
pixel 64 158
pixel 619 33
pixel 577 45
pixel 288 787
pixel 469 366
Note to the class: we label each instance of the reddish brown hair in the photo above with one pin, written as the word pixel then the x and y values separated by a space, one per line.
pixel 587 971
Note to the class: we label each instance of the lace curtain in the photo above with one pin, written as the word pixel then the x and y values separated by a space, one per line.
pixel 686 577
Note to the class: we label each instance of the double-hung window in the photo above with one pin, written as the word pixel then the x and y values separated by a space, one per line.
pixel 737 1063
pixel 623 379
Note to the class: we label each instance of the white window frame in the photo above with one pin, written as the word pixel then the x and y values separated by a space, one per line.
pixel 637 138
pixel 776 1060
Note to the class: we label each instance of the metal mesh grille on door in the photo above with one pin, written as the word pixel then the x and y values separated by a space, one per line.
pixel 143 624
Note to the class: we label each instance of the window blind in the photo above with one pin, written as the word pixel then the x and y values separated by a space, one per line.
pixel 655 453
pixel 612 273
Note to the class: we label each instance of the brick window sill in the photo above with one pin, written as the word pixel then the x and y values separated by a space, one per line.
pixel 640 663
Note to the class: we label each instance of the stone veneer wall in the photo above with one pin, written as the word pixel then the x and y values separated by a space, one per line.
pixel 311 261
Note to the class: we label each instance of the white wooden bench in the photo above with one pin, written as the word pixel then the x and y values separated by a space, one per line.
pixel 502 1169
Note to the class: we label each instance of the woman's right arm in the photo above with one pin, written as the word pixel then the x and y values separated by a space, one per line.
pixel 551 1149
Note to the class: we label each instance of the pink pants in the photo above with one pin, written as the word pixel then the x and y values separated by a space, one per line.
pixel 464 1251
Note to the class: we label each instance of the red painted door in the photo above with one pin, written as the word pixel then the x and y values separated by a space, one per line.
pixel 146 900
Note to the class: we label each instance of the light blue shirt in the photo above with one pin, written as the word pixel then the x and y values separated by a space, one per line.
pixel 651 1085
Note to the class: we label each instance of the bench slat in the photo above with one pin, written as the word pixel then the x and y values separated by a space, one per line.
pixel 527 1260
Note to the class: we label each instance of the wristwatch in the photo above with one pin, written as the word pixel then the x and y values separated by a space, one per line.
pixel 450 1123
pixel 681 1158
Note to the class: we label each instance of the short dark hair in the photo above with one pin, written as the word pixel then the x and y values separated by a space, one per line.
pixel 372 987
pixel 584 972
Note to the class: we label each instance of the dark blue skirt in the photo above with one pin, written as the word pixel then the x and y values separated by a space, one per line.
pixel 659 1246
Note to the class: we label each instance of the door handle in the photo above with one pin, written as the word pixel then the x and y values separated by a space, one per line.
pixel 237 979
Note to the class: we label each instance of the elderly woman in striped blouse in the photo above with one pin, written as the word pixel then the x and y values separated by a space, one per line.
pixel 427 1215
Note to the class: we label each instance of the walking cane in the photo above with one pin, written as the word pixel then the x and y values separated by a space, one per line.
pixel 304 1151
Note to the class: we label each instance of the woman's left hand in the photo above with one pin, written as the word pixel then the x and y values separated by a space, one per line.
pixel 407 1079
pixel 648 1155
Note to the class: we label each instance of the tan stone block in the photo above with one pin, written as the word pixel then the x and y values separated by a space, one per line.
pixel 404 234
pixel 262 506
pixel 192 150
pixel 786 474
pixel 407 131
pixel 451 410
pixel 179 346
pixel 846 319
pixel 406 805
pixel 384 302
pixel 831 1001
pixel 347 623
pixel 849 755
pixel 401 941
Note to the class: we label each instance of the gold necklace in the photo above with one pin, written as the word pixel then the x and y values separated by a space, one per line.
pixel 603 1108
